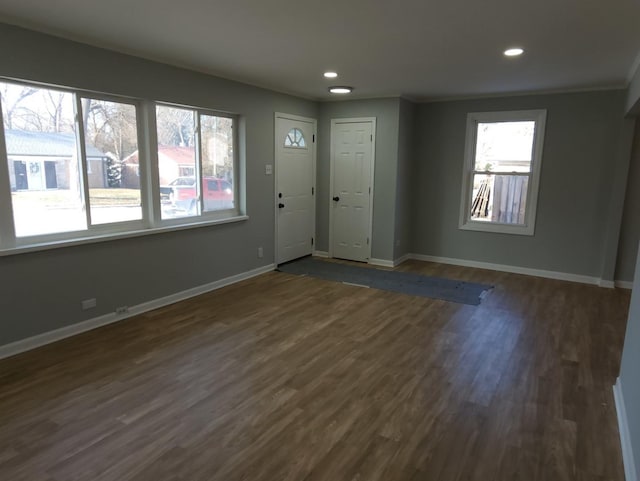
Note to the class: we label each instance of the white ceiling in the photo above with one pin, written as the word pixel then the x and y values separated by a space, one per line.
pixel 422 49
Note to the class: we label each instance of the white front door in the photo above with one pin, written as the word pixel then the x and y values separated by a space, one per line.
pixel 35 173
pixel 352 144
pixel 295 186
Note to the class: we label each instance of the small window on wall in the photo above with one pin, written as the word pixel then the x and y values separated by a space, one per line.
pixel 503 155
pixel 295 139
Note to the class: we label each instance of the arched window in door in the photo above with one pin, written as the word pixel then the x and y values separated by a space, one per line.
pixel 295 139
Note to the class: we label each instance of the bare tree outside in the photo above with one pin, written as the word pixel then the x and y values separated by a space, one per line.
pixel 12 103
pixel 176 127
pixel 36 109
pixel 112 128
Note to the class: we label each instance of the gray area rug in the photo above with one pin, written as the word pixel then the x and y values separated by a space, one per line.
pixel 403 282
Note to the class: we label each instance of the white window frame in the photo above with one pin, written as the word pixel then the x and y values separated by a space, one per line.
pixel 151 221
pixel 6 211
pixel 202 214
pixel 475 118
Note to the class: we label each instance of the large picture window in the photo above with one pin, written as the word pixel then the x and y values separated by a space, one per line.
pixel 503 155
pixel 73 168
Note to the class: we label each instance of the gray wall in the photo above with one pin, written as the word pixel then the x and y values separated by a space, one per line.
pixel 629 372
pixel 386 112
pixel 406 142
pixel 581 150
pixel 630 231
pixel 42 291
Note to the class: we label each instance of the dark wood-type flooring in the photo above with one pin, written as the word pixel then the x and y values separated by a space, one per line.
pixel 293 378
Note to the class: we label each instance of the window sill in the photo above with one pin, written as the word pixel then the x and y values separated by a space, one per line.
pixel 104 237
pixel 496 228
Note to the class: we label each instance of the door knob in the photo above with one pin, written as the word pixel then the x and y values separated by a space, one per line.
pixel 280 205
pixel 336 198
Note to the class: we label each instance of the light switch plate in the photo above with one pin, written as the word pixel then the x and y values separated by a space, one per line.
pixel 268 169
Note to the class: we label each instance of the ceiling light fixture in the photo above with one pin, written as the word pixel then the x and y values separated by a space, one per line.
pixel 513 52
pixel 330 74
pixel 340 90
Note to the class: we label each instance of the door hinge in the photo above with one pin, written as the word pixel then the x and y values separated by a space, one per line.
pixel 314 138
pixel 312 241
pixel 369 190
pixel 313 190
pixel 371 137
pixel 367 241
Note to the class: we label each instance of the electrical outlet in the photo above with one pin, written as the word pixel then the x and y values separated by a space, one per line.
pixel 260 253
pixel 88 304
pixel 122 310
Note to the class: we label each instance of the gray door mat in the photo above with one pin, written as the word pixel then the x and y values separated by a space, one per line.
pixel 402 282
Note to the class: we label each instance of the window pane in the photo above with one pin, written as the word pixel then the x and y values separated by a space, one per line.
pixel 295 139
pixel 499 198
pixel 111 138
pixel 217 162
pixel 504 146
pixel 177 162
pixel 42 155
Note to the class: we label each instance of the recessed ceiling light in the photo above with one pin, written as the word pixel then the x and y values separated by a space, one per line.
pixel 330 74
pixel 513 52
pixel 340 90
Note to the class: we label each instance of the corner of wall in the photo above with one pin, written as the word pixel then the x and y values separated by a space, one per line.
pixel 632 106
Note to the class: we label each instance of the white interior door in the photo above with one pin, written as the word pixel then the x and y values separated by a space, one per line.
pixel 295 186
pixel 351 188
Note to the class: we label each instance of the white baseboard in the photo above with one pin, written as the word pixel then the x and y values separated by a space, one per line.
pixel 381 262
pixel 372 261
pixel 402 259
pixel 563 276
pixel 624 284
pixel 625 439
pixel 52 336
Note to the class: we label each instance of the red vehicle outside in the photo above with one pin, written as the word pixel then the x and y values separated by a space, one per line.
pixel 181 193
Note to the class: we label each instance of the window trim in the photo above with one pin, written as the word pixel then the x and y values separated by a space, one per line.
pixel 47 244
pixel 151 221
pixel 473 119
